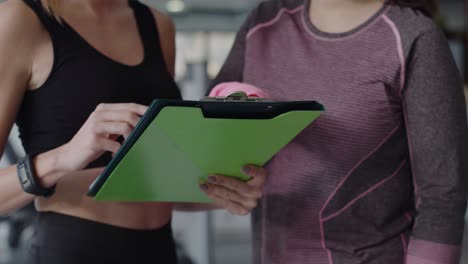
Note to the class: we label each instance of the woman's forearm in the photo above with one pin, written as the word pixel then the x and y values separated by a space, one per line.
pixel 12 196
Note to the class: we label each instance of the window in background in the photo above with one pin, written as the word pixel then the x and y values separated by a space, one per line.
pixel 200 56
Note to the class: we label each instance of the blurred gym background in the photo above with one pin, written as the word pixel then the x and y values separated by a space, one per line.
pixel 206 30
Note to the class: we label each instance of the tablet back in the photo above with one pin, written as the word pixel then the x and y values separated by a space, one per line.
pixel 181 147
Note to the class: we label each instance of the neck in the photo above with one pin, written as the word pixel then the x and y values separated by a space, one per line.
pixel 344 4
pixel 337 16
pixel 98 7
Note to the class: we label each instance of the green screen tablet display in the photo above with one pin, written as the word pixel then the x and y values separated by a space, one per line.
pixel 178 143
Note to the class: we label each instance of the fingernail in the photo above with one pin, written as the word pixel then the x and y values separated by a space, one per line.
pixel 204 187
pixel 246 169
pixel 212 179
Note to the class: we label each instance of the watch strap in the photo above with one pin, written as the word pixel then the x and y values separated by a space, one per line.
pixel 29 180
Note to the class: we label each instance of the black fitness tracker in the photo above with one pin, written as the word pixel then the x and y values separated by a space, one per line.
pixel 28 179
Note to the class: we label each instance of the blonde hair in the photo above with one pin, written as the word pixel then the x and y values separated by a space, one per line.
pixel 52 7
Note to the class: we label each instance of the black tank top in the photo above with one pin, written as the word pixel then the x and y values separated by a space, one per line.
pixel 82 78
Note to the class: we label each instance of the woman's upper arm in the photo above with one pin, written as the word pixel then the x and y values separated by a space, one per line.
pixel 16 36
pixel 166 30
pixel 436 123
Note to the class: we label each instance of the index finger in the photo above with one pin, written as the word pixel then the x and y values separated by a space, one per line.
pixel 132 107
pixel 258 175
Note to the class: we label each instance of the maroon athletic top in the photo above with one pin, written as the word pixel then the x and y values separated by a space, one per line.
pixel 380 177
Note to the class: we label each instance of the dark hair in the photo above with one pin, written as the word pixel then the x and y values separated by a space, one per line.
pixel 427 7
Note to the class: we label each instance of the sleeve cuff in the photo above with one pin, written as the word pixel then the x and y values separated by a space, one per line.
pixel 427 252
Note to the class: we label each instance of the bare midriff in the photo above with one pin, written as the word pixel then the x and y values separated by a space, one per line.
pixel 70 198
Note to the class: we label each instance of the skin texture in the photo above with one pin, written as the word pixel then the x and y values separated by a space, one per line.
pixel 351 13
pixel 100 23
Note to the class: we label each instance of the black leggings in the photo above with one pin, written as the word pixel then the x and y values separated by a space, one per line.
pixel 62 239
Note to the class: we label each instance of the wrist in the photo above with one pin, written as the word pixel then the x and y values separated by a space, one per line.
pixel 49 167
pixel 60 161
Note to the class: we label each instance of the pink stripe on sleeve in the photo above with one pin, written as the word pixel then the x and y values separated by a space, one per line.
pixel 401 54
pixel 427 252
pixel 274 20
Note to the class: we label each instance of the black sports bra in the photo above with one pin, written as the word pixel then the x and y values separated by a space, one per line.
pixel 82 78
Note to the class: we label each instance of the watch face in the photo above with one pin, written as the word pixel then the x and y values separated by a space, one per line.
pixel 23 175
pixel 27 183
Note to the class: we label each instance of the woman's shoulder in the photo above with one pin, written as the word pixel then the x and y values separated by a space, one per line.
pixel 17 20
pixel 19 14
pixel 165 23
pixel 278 5
pixel 166 28
pixel 269 10
pixel 410 23
pixel 20 28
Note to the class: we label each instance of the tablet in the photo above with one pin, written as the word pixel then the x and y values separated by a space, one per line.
pixel 178 143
